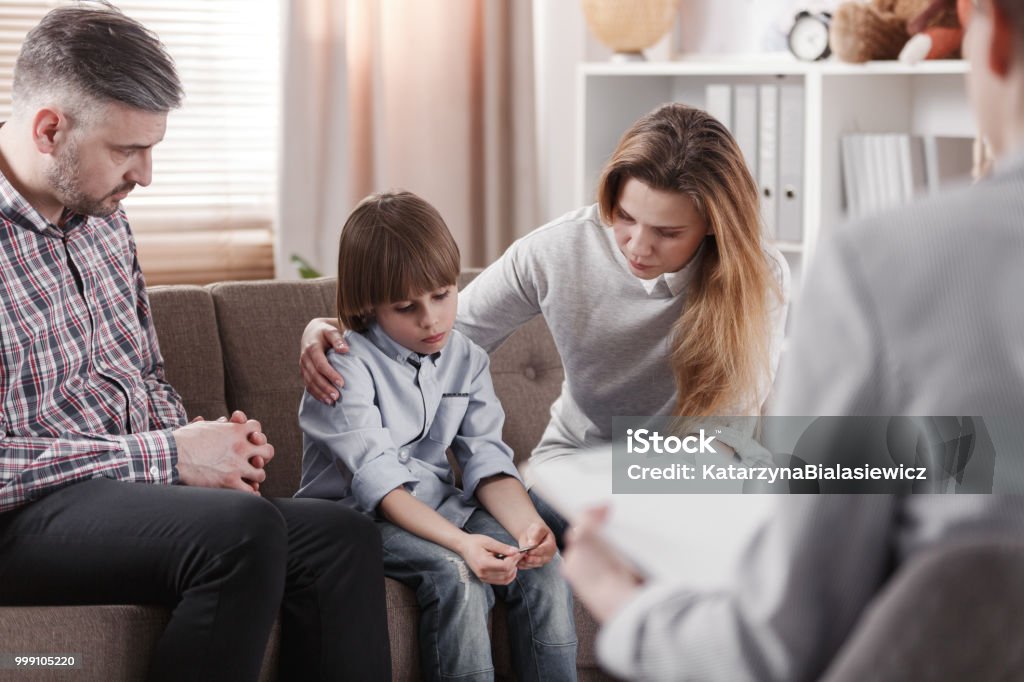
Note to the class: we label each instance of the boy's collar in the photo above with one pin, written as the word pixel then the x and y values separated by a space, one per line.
pixel 394 350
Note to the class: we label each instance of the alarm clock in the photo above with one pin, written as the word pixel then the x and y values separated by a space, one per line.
pixel 808 39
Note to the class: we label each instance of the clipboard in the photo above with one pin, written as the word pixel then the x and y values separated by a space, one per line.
pixel 695 539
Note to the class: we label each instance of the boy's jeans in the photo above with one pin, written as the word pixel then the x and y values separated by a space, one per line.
pixel 454 603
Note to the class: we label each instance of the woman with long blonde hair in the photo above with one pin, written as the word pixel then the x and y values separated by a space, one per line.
pixel 663 298
pixel 721 344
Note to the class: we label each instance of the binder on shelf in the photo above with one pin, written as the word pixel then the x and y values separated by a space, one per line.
pixel 768 149
pixel 791 163
pixel 744 121
pixel 718 103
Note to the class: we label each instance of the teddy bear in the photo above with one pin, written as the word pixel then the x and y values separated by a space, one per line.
pixel 883 29
pixel 936 42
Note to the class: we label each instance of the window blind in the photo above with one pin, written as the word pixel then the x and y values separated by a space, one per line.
pixel 209 212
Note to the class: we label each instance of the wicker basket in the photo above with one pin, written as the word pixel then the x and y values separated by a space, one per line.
pixel 629 26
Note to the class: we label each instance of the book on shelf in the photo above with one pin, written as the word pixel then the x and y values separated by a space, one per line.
pixel 878 175
pixel 885 170
pixel 906 166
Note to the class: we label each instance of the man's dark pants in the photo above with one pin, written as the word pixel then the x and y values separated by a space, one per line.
pixel 224 561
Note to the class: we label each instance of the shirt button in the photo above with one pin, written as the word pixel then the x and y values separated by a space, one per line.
pixel 154 472
pixel 414 493
pixel 403 456
pixel 398 358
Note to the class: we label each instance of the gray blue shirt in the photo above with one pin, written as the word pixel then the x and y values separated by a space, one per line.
pixel 394 422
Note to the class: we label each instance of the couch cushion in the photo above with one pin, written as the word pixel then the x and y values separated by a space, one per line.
pixel 527 374
pixel 403 630
pixel 260 325
pixel 111 642
pixel 186 325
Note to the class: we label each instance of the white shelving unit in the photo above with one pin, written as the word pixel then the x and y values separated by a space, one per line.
pixel 878 97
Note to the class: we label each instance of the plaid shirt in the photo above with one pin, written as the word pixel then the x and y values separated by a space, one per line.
pixel 81 377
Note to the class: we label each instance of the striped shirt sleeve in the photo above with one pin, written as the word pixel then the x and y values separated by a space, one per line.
pixel 31 467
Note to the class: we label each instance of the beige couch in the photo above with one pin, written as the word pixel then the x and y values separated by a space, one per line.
pixel 235 346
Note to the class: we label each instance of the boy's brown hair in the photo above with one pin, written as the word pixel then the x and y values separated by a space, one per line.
pixel 394 245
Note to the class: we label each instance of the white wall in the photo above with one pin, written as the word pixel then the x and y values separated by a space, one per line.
pixel 561 43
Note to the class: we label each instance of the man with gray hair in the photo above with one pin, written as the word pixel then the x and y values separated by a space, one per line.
pixel 106 494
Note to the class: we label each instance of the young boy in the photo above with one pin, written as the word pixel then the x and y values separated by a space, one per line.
pixel 413 388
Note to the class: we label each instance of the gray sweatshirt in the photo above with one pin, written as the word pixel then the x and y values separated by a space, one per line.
pixel 613 335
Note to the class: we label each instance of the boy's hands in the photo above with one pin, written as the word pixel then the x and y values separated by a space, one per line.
pixel 321 380
pixel 542 540
pixel 479 551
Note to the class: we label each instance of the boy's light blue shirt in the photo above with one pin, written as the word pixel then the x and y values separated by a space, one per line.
pixel 397 415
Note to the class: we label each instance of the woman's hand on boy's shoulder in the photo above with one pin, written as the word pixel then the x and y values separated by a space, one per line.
pixel 321 379
pixel 478 551
pixel 542 543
